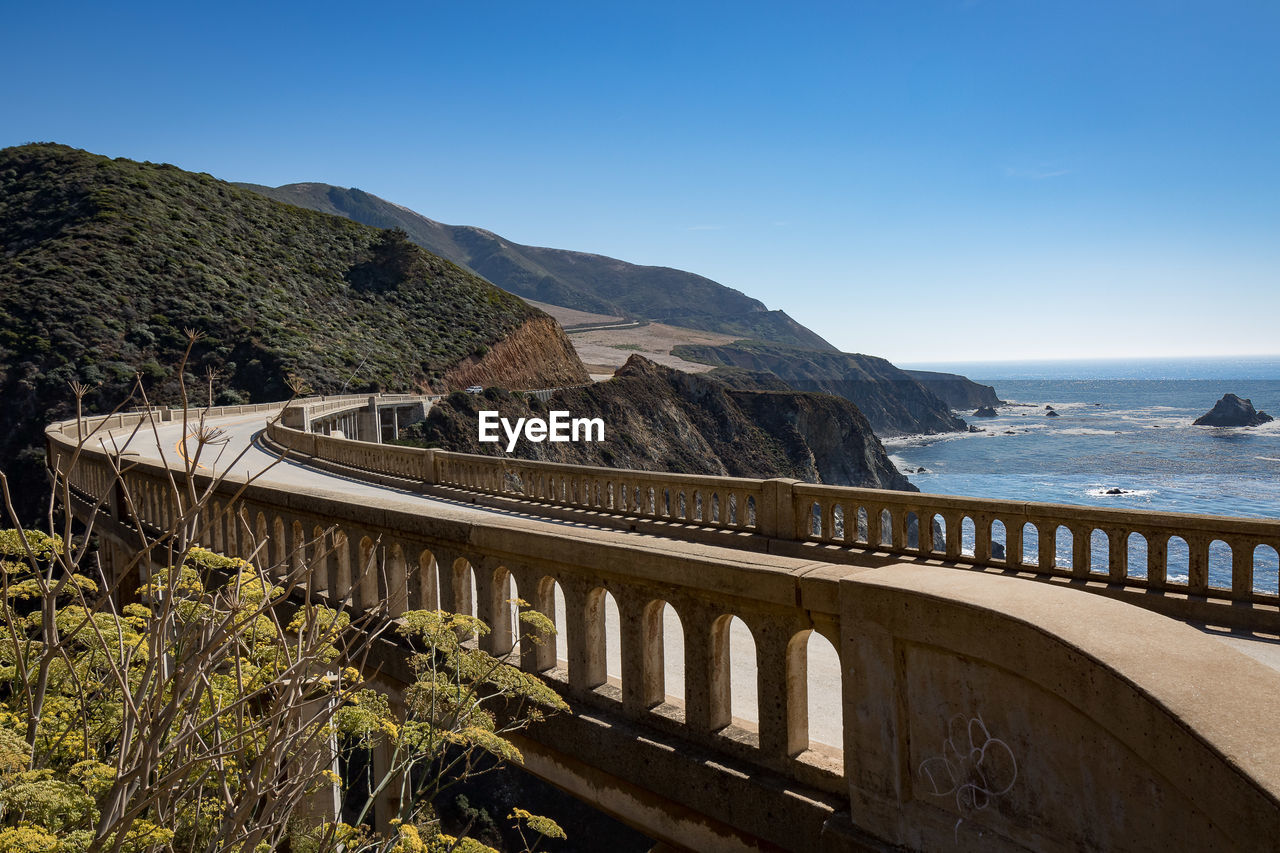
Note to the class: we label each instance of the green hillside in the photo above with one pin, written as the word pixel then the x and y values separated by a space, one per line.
pixel 104 263
pixel 578 280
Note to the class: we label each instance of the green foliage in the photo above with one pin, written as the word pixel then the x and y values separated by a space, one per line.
pixel 105 263
pixel 58 776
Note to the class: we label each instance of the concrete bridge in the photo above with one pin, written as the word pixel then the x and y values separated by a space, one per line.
pixel 983 698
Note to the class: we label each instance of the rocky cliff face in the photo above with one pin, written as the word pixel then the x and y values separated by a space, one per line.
pixel 538 354
pixel 894 402
pixel 958 392
pixel 659 419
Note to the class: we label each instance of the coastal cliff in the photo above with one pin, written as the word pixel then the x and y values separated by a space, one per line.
pixel 959 392
pixel 659 419
pixel 893 401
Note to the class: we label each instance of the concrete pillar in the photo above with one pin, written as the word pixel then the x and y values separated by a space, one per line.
pixel 447 580
pixel 1198 565
pixel 782 688
pixel 640 635
pixel 981 538
pixel 954 534
pixel 1047 537
pixel 324 804
pixel 340 568
pixel 776 514
pixel 1157 560
pixel 1081 551
pixel 1013 541
pixel 539 655
pixel 873 750
pixel 1117 553
pixel 1241 567
pixel 492 608
pixel 319 560
pixel 366 579
pixel 706 668
pixel 369 423
pixel 584 617
pixel 397 579
pixel 427 473
pixel 424 571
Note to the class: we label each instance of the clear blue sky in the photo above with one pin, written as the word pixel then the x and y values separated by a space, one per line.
pixel 928 180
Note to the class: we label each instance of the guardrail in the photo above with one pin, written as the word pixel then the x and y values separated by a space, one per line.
pixel 1231 559
pixel 1070 696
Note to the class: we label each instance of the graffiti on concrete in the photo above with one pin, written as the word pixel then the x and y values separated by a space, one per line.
pixel 973 766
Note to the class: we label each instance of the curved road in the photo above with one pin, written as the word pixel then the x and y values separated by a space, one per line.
pixel 240 432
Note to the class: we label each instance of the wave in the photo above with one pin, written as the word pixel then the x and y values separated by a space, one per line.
pixel 894 442
pixel 1103 492
pixel 1272 428
pixel 1092 431
pixel 1041 404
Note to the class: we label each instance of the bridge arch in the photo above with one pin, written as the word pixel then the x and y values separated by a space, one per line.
pixel 217 540
pixel 547 597
pixel 397 580
pixel 494 593
pixel 279 547
pixel 260 555
pixel 462 598
pixel 425 592
pixel 298 548
pixel 365 594
pixel 340 589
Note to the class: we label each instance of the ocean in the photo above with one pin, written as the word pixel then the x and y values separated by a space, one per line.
pixel 1122 425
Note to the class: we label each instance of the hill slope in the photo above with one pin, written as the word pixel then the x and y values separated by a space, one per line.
pixel 577 280
pixel 659 419
pixel 104 263
pixel 893 401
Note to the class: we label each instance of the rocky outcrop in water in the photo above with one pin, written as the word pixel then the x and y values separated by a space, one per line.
pixel 985 412
pixel 659 419
pixel 1231 411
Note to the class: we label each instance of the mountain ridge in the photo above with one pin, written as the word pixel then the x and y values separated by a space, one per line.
pixel 569 278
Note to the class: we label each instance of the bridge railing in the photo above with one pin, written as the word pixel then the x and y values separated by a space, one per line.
pixel 1231 558
pixel 162 414
pixel 322 406
pixel 368 554
pixel 728 503
pixel 1228 559
pixel 1072 697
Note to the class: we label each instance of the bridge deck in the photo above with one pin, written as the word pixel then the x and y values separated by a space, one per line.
pixel 242 430
pixel 1099 701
